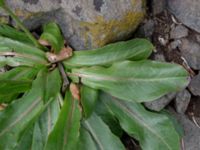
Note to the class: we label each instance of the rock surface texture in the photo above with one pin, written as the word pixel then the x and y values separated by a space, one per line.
pixel 194 85
pixel 187 11
pixel 160 103
pixel 85 24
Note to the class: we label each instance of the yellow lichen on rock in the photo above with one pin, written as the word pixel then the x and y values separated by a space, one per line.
pixel 23 14
pixel 101 31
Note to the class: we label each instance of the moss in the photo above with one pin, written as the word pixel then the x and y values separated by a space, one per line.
pixel 4 19
pixel 101 32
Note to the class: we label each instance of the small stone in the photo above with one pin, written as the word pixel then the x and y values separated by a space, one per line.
pixel 2 70
pixel 179 32
pixel 198 38
pixel 160 103
pixel 190 50
pixel 175 44
pixel 191 138
pixel 159 57
pixel 187 11
pixel 158 6
pixel 148 28
pixel 194 85
pixel 182 101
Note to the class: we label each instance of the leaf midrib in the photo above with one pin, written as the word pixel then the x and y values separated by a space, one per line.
pixel 19 118
pixel 94 135
pixel 109 78
pixel 139 119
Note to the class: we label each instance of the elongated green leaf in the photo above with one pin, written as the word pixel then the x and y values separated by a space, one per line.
pixel 109 118
pixel 66 131
pixel 15 81
pixel 45 125
pixel 2 3
pixel 18 115
pixel 16 53
pixel 86 142
pixel 89 97
pixel 25 140
pixel 136 49
pixel 53 35
pixel 14 34
pixel 53 84
pixel 100 137
pixel 134 81
pixel 153 131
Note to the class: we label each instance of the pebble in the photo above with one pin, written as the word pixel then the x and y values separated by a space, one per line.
pixel 194 85
pixel 182 101
pixel 160 103
pixel 179 32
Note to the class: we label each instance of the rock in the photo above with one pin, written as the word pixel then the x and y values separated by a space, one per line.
pixel 2 70
pixel 85 24
pixel 190 50
pixel 191 136
pixel 194 85
pixel 179 32
pixel 4 18
pixel 146 30
pixel 187 11
pixel 198 38
pixel 160 103
pixel 182 101
pixel 159 57
pixel 158 6
pixel 175 44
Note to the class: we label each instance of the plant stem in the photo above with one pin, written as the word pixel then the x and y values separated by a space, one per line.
pixel 20 24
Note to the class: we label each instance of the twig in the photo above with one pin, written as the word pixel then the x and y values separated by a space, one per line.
pixel 195 122
pixel 64 77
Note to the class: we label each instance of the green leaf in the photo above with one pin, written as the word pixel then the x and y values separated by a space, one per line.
pixel 86 142
pixel 25 141
pixel 14 34
pixel 15 81
pixel 136 49
pixel 176 124
pixel 134 81
pixel 109 118
pixel 15 53
pixel 153 131
pixel 66 131
pixel 2 3
pixel 52 34
pixel 45 125
pixel 89 98
pixel 98 136
pixel 18 115
pixel 52 85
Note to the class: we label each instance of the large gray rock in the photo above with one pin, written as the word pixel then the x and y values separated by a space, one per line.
pixel 187 11
pixel 190 50
pixel 85 24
